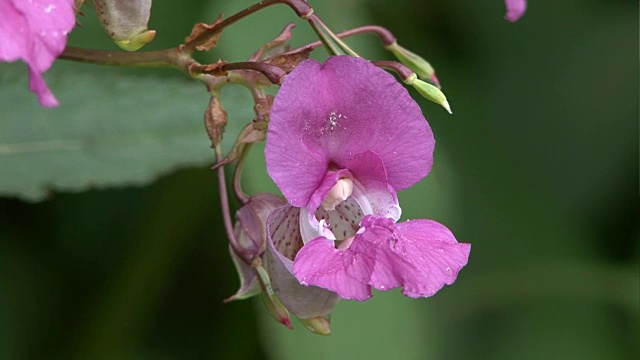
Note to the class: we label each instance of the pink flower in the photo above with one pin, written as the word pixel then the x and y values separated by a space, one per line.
pixel 343 137
pixel 515 9
pixel 35 32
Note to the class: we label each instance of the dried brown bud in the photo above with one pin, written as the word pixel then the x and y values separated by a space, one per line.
pixel 276 46
pixel 215 120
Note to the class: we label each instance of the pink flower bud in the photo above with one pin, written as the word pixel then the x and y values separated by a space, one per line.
pixel 251 228
pixel 250 241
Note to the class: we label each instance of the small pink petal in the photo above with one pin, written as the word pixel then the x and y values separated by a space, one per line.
pixel 372 184
pixel 322 189
pixel 39 86
pixel 35 32
pixel 515 9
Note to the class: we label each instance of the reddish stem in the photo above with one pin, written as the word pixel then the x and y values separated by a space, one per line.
pixel 300 7
pixel 173 57
pixel 385 36
pixel 401 69
pixel 237 176
pixel 224 202
pixel 272 72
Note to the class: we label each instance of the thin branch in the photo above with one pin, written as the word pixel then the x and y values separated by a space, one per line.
pixel 274 73
pixel 385 36
pixel 399 68
pixel 237 176
pixel 170 58
pixel 300 7
pixel 224 202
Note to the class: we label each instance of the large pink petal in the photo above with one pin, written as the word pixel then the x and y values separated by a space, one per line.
pixel 345 272
pixel 36 32
pixel 421 256
pixel 324 115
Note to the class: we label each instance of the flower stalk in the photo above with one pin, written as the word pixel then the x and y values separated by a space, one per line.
pixel 224 203
pixel 237 176
pixel 170 58
pixel 300 7
pixel 386 37
pixel 320 28
pixel 326 41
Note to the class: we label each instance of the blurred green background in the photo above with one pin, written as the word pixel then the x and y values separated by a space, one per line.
pixel 537 168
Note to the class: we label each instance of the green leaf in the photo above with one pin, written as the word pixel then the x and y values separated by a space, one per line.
pixel 113 128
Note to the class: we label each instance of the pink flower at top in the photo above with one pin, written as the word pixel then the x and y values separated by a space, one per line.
pixel 343 137
pixel 35 31
pixel 515 9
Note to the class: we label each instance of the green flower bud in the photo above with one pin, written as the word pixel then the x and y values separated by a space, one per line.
pixel 429 92
pixel 271 301
pixel 126 22
pixel 320 325
pixel 415 62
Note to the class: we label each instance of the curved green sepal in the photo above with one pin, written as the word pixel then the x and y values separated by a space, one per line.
pixel 136 42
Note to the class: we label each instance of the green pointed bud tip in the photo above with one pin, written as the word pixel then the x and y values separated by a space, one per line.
pixel 136 42
pixel 414 61
pixel 318 325
pixel 430 92
pixel 278 311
